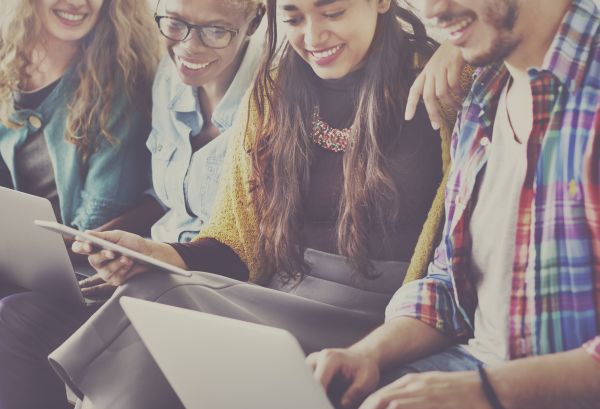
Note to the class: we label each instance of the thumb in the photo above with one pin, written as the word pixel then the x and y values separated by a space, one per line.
pixel 113 235
pixel 362 385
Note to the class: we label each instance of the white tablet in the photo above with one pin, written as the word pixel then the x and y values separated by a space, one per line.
pixel 67 231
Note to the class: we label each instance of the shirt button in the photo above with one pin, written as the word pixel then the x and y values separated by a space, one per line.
pixel 484 141
pixel 159 148
pixel 35 122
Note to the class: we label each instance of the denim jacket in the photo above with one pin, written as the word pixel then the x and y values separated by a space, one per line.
pixel 115 176
pixel 186 182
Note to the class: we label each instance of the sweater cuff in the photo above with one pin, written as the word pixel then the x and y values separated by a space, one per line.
pixel 212 256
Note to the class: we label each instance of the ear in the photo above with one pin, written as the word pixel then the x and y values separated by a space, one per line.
pixel 256 20
pixel 383 6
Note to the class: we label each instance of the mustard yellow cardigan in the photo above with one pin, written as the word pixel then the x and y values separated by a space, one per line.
pixel 234 220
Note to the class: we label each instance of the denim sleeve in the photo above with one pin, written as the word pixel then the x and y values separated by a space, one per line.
pixel 5 177
pixel 118 173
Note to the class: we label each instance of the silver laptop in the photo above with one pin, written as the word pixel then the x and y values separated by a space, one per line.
pixel 34 258
pixel 217 362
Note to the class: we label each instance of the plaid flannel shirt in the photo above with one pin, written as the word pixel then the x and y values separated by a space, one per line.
pixel 555 297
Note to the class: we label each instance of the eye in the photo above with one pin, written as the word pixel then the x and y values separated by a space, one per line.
pixel 216 32
pixel 293 21
pixel 335 14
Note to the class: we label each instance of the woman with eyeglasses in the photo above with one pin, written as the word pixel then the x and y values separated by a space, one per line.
pixel 212 59
pixel 329 200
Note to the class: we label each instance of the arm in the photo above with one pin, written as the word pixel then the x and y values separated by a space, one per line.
pixel 422 318
pixel 5 177
pixel 117 174
pixel 137 220
pixel 566 380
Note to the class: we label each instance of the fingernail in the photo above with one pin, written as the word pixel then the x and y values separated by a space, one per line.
pixel 124 261
pixel 87 248
pixel 435 126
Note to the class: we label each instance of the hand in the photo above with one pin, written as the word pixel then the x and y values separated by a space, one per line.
pixel 431 390
pixel 113 268
pixel 359 371
pixel 96 287
pixel 439 84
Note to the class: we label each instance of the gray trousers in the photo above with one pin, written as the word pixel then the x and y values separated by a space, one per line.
pixel 106 361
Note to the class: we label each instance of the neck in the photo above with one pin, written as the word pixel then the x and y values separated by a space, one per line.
pixel 211 94
pixel 50 60
pixel 537 27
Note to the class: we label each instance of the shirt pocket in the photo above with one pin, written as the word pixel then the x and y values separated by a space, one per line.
pixel 162 156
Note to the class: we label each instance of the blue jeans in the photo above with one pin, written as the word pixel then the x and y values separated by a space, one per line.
pixel 453 359
pixel 31 326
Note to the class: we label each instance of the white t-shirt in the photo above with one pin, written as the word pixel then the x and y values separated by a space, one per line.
pixel 493 229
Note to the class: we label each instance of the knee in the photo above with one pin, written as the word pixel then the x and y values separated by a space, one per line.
pixel 21 316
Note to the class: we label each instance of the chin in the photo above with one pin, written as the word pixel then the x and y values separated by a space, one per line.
pixel 330 73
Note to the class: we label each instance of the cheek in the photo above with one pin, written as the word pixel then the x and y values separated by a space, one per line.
pixel 296 40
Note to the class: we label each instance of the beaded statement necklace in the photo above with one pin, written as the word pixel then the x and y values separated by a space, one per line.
pixel 327 137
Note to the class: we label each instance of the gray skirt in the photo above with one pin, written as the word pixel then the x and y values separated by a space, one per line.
pixel 106 361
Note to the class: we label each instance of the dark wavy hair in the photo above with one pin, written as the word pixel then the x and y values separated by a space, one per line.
pixel 282 152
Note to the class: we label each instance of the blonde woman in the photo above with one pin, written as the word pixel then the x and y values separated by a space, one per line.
pixel 75 82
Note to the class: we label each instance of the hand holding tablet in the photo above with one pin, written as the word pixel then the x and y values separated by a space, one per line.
pixel 110 246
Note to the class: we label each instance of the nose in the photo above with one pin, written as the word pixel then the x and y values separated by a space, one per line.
pixel 314 34
pixel 434 8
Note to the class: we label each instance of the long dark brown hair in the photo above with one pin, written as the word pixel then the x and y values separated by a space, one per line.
pixel 282 152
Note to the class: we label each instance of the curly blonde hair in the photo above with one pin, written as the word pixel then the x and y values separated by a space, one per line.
pixel 119 55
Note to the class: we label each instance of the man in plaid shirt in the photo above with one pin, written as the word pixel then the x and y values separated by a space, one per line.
pixel 511 303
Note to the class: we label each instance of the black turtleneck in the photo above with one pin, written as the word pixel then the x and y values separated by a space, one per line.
pixel 415 165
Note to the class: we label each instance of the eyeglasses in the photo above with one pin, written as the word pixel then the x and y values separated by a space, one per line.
pixel 179 30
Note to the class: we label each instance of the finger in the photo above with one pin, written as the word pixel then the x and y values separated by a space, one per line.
pixel 443 92
pixel 454 82
pixel 112 235
pixel 431 104
pixel 98 290
pixel 327 366
pixel 82 247
pixel 114 272
pixel 358 390
pixel 311 360
pixel 91 281
pixel 99 260
pixel 414 96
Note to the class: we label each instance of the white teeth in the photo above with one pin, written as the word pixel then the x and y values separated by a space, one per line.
pixel 326 53
pixel 455 29
pixel 69 16
pixel 193 66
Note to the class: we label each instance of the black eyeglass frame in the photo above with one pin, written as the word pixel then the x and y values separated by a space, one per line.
pixel 197 27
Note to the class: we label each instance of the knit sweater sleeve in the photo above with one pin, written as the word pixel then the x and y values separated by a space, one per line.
pixel 429 236
pixel 233 222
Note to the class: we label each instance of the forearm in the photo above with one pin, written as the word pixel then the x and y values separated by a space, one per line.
pixel 166 253
pixel 401 341
pixel 137 220
pixel 567 380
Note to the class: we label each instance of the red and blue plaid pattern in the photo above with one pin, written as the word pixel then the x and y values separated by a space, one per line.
pixel 555 300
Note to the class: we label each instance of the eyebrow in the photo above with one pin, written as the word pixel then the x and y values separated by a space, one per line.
pixel 178 16
pixel 318 3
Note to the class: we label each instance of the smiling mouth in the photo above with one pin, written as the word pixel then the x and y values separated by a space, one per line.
pixel 321 54
pixel 72 17
pixel 193 66
pixel 456 26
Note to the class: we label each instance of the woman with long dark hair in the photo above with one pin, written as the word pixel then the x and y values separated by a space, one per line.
pixel 329 200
